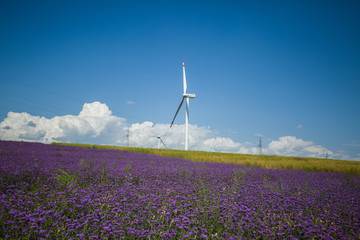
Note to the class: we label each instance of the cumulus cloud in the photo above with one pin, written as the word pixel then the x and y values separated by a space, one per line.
pixel 292 146
pixel 95 124
pixel 222 144
pixel 146 135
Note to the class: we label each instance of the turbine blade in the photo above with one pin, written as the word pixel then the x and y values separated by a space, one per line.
pixel 184 78
pixel 163 143
pixel 177 111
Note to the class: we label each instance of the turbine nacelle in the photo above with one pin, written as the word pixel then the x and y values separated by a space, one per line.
pixel 189 95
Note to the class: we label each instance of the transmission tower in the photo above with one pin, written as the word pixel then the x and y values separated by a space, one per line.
pixel 260 146
pixel 128 137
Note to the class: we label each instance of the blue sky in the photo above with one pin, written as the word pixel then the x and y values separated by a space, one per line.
pixel 286 68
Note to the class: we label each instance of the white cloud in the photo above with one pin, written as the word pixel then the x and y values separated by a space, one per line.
pixel 292 146
pixel 220 144
pixel 95 124
pixel 145 135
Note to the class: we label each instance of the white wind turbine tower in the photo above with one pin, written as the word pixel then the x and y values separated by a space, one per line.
pixel 187 96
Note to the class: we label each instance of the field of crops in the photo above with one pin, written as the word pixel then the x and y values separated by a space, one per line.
pixel 263 161
pixel 64 192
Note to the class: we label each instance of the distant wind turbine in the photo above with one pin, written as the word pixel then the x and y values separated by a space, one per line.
pixel 187 96
pixel 160 140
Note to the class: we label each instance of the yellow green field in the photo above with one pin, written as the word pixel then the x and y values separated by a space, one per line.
pixel 263 161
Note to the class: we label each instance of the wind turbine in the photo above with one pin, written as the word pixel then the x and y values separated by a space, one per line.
pixel 185 96
pixel 160 140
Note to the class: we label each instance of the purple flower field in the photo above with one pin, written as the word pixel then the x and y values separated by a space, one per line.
pixel 59 192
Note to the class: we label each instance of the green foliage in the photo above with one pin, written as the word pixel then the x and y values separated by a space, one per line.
pixel 64 178
pixel 263 161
